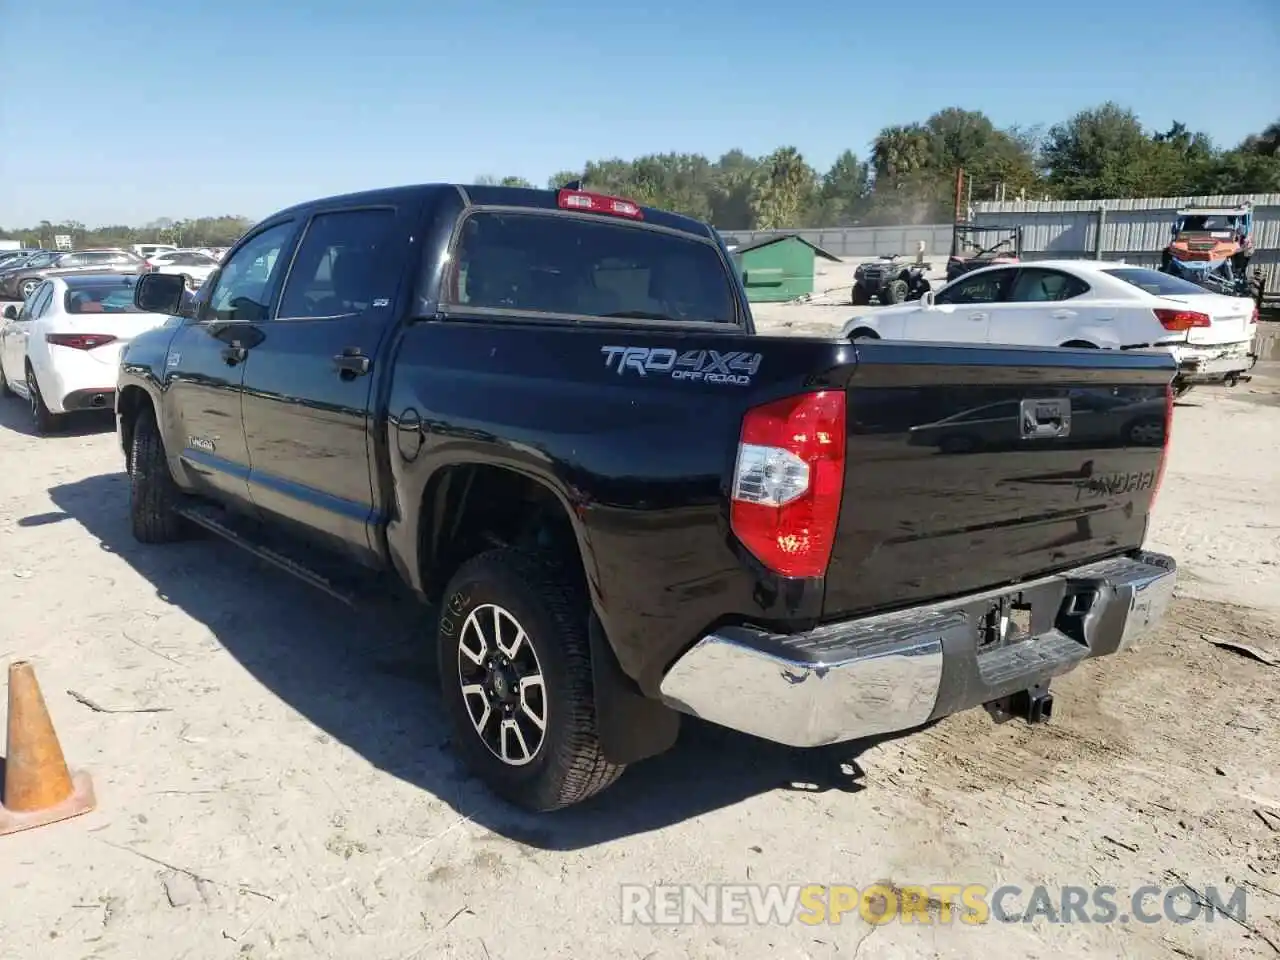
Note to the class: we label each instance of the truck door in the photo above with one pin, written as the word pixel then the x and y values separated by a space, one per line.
pixel 308 385
pixel 205 367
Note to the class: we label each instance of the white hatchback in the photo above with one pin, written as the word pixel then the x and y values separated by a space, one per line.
pixel 1081 303
pixel 61 350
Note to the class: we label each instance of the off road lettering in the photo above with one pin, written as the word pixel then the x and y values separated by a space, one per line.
pixel 709 366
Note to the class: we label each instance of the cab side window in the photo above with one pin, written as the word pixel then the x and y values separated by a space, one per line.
pixel 1037 285
pixel 242 292
pixel 339 261
pixel 986 287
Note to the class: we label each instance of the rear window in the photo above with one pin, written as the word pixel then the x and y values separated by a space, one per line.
pixel 1155 282
pixel 100 299
pixel 558 264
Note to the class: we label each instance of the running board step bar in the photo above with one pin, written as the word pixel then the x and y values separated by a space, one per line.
pixel 216 521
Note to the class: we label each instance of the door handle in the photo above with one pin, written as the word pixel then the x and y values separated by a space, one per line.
pixel 351 363
pixel 1063 314
pixel 234 353
pixel 978 316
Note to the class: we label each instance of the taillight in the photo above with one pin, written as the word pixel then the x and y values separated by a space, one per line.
pixel 788 482
pixel 78 341
pixel 598 203
pixel 1164 452
pixel 1179 320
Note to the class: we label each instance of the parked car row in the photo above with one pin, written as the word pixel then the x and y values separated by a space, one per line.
pixel 21 272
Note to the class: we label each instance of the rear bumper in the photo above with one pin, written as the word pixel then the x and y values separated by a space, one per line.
pixel 1213 364
pixel 892 672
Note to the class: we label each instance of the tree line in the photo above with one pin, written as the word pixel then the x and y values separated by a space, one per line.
pixel 909 176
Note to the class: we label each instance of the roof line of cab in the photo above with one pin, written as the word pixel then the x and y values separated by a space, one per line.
pixel 476 195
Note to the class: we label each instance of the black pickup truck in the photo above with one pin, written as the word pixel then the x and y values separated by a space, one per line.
pixel 549 414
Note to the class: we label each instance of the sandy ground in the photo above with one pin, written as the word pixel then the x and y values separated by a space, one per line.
pixel 296 798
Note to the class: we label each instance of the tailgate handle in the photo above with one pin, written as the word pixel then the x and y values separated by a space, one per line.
pixel 1046 419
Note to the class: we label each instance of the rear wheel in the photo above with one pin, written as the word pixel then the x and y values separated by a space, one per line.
pixel 862 333
pixel 860 297
pixel 43 419
pixel 28 286
pixel 515 675
pixel 153 496
pixel 1081 345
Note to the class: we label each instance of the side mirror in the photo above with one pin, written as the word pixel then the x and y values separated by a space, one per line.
pixel 11 312
pixel 926 300
pixel 159 293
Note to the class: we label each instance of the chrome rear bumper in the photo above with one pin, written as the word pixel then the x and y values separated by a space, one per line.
pixel 880 674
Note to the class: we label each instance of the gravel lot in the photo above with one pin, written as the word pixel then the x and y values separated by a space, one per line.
pixel 296 797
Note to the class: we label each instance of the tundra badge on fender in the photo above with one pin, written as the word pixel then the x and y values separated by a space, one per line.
pixel 710 366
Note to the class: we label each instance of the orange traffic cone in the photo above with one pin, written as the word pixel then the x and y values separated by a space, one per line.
pixel 38 788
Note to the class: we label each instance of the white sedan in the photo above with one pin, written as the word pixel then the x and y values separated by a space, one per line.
pixel 194 265
pixel 1081 303
pixel 61 350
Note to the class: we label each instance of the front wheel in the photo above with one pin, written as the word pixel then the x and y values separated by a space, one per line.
pixel 28 287
pixel 515 674
pixel 154 498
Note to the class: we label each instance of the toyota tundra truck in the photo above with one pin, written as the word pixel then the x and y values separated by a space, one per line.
pixel 549 415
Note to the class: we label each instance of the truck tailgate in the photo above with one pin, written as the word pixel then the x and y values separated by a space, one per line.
pixel 971 467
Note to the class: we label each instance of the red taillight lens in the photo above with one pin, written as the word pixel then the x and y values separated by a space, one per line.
pixel 598 203
pixel 1179 320
pixel 78 341
pixel 1164 453
pixel 788 482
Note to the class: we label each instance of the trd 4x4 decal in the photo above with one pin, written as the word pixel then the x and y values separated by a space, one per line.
pixel 710 366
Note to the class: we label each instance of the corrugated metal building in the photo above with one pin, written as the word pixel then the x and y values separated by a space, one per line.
pixel 1131 230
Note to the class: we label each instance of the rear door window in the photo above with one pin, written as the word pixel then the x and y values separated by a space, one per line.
pixel 575 266
pixel 338 264
pixel 1039 285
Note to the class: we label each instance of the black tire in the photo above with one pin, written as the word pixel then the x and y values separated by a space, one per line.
pixel 1180 390
pixel 860 297
pixel 43 420
pixel 5 389
pixel 1080 345
pixel 568 765
pixel 862 333
pixel 153 496
pixel 895 291
pixel 28 286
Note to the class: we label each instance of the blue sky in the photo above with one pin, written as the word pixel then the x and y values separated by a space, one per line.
pixel 170 109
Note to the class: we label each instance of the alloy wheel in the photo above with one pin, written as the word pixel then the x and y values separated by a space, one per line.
pixel 502 684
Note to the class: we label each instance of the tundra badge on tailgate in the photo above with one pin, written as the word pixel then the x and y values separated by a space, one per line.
pixel 710 366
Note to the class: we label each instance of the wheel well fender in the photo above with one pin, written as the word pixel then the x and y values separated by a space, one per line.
pixel 472 506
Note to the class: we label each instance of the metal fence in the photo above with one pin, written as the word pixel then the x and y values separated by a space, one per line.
pixel 1131 230
pixel 862 241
